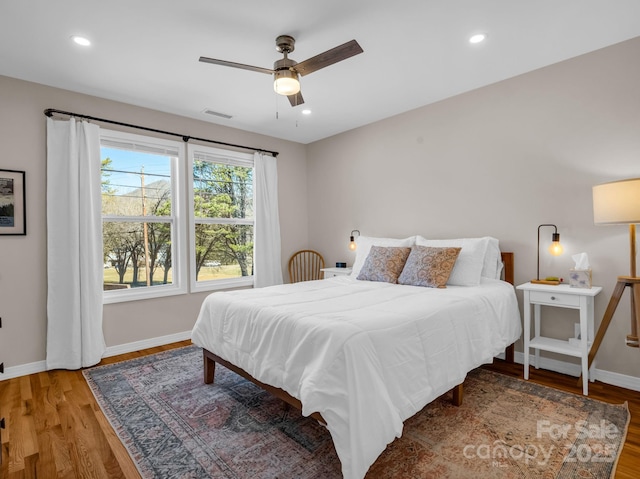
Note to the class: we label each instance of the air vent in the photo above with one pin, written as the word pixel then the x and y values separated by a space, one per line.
pixel 217 113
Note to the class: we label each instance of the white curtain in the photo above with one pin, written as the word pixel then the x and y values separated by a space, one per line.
pixel 268 265
pixel 74 245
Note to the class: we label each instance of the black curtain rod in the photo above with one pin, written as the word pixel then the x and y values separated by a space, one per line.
pixel 50 112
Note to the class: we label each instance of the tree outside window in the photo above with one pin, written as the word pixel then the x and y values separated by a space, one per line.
pixel 223 212
pixel 140 224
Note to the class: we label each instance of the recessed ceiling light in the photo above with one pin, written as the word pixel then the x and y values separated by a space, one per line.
pixel 85 42
pixel 477 38
pixel 306 112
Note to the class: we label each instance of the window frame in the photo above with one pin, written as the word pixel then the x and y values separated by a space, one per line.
pixel 225 157
pixel 148 144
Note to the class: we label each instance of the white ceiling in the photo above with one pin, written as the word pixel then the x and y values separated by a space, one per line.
pixel 416 52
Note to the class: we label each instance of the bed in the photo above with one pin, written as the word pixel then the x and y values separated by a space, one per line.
pixel 363 356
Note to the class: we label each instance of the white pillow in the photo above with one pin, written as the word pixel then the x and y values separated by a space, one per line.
pixel 364 244
pixel 492 267
pixel 468 268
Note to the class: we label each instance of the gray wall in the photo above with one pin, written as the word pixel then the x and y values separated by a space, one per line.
pixel 498 161
pixel 23 262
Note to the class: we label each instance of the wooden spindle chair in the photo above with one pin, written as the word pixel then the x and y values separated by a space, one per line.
pixel 305 265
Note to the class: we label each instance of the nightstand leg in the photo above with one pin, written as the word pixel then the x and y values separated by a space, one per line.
pixel 635 309
pixel 584 337
pixel 590 335
pixel 527 332
pixel 604 324
pixel 536 331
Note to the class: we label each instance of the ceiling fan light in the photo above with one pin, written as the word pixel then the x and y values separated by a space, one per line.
pixel 286 82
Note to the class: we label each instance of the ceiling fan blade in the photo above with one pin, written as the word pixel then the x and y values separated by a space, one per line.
pixel 296 99
pixel 329 57
pixel 242 66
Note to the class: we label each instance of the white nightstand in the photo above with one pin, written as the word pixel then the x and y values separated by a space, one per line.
pixel 560 296
pixel 332 272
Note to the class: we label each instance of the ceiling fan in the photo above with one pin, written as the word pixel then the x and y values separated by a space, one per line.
pixel 286 71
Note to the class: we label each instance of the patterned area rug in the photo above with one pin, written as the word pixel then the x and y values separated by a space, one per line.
pixel 175 426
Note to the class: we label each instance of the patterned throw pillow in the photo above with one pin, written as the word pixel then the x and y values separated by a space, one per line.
pixel 429 266
pixel 384 263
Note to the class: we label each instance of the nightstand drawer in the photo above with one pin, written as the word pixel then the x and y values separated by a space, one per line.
pixel 333 272
pixel 557 299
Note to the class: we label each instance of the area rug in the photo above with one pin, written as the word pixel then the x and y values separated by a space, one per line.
pixel 175 426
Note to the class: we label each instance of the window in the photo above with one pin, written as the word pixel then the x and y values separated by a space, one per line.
pixel 144 220
pixel 142 236
pixel 221 206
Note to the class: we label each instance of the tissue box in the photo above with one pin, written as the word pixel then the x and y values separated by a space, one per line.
pixel 580 278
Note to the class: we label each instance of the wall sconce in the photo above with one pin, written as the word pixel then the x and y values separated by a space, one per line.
pixel 555 249
pixel 352 240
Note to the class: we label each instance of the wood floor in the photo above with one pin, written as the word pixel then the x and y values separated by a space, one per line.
pixel 55 429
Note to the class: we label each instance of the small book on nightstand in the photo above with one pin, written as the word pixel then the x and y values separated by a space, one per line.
pixel 553 282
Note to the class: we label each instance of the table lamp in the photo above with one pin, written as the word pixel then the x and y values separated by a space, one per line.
pixel 555 249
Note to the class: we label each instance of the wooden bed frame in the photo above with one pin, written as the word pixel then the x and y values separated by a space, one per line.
pixel 211 359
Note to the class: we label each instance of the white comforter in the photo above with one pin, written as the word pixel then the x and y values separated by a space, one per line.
pixel 365 355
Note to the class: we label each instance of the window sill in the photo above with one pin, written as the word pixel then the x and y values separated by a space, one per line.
pixel 222 284
pixel 136 294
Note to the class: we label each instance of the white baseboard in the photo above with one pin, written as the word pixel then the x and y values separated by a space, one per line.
pixel 40 366
pixel 23 370
pixel 551 364
pixel 616 379
pixel 146 343
pixel 607 377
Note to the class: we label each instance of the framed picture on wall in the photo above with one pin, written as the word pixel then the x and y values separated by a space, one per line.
pixel 13 212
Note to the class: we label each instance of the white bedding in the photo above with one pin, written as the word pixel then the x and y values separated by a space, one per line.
pixel 365 355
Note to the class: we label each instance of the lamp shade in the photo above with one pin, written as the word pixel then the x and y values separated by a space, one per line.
pixel 617 202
